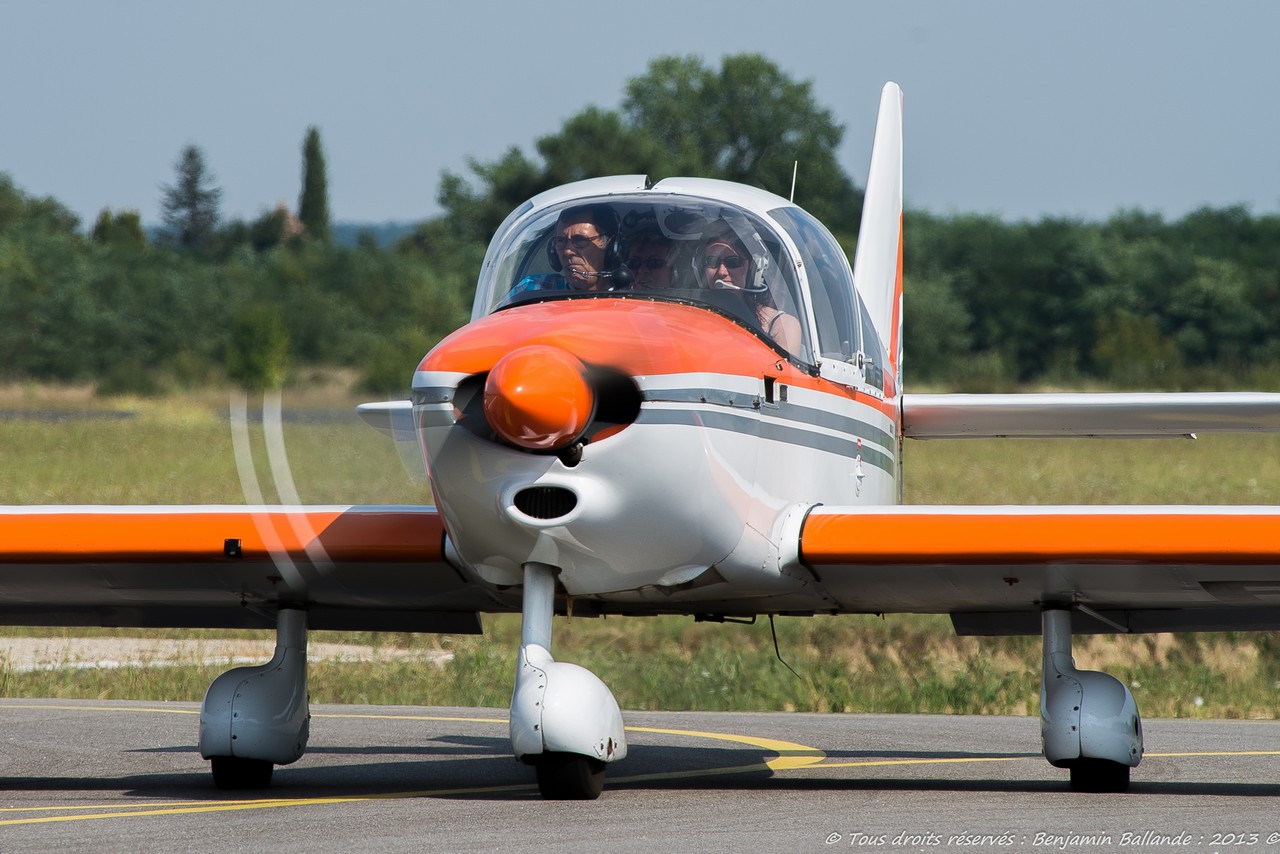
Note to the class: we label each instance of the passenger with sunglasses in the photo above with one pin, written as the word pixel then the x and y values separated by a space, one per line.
pixel 649 259
pixel 726 265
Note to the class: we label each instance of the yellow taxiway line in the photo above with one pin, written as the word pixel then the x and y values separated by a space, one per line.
pixel 790 756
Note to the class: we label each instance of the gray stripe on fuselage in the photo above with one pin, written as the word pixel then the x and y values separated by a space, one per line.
pixel 807 415
pixel 754 418
pixel 751 424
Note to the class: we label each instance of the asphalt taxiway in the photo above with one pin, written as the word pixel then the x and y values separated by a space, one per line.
pixel 125 776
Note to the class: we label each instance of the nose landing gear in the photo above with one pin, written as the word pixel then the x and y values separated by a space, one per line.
pixel 564 720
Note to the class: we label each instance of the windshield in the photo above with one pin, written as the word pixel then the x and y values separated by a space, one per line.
pixel 661 247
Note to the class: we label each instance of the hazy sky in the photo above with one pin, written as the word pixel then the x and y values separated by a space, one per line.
pixel 1017 108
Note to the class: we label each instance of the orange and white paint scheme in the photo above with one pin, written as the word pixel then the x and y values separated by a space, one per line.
pixel 722 441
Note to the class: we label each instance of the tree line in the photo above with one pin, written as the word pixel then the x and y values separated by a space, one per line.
pixel 202 300
pixel 1134 301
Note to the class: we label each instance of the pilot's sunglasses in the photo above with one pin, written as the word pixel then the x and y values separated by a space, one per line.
pixel 647 263
pixel 731 262
pixel 579 242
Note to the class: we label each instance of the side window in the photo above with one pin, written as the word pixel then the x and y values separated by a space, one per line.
pixel 875 357
pixel 837 315
pixel 506 264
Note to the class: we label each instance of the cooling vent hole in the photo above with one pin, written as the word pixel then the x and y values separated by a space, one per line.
pixel 546 502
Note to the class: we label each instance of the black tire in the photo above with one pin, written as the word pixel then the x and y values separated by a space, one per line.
pixel 1099 775
pixel 569 777
pixel 233 772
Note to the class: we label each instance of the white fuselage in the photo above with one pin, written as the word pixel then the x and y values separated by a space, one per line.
pixel 706 478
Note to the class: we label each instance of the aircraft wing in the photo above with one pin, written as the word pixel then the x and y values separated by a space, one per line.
pixel 1116 415
pixel 352 567
pixel 994 568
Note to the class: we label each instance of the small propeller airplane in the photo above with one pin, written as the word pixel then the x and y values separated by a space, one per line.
pixel 673 397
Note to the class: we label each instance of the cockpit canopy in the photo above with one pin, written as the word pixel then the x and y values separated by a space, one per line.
pixel 777 271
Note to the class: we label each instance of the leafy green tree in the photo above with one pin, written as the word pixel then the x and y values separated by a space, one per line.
pixel 268 230
pixel 258 349
pixel 972 253
pixel 12 202
pixel 936 342
pixel 598 142
pixel 1063 262
pixel 21 211
pixel 747 122
pixel 123 229
pixel 1131 352
pixel 473 214
pixel 189 207
pixel 313 204
pixel 1212 319
pixel 47 301
pixel 389 363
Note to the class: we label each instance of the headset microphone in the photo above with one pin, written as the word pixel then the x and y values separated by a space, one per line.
pixel 756 287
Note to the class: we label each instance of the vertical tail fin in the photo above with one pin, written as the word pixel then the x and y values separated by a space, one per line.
pixel 877 264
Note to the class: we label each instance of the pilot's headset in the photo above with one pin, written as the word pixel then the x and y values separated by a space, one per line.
pixel 606 221
pixel 753 246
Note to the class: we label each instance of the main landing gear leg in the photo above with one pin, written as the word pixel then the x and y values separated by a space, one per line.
pixel 1088 721
pixel 255 718
pixel 564 720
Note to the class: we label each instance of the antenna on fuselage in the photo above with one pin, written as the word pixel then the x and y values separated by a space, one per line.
pixel 776 650
pixel 794 170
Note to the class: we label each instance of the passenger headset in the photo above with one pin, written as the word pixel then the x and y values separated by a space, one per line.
pixel 615 254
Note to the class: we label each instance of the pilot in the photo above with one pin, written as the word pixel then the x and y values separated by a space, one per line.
pixel 726 265
pixel 649 259
pixel 585 251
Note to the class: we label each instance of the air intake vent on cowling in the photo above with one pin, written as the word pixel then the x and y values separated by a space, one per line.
pixel 546 502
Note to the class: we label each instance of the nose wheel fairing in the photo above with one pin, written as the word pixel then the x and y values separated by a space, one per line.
pixel 1089 721
pixel 564 720
pixel 254 718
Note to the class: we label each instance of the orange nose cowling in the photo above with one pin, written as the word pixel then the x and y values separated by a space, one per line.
pixel 538 398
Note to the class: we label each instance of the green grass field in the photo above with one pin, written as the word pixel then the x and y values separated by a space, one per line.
pixel 179 450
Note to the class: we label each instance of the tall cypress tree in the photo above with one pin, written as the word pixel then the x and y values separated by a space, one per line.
pixel 313 205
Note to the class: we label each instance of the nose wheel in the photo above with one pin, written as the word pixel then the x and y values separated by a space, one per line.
pixel 569 777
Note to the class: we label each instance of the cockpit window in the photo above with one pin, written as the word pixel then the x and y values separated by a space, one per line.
pixel 682 249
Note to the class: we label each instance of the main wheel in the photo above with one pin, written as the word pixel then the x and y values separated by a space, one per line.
pixel 234 772
pixel 1099 775
pixel 569 777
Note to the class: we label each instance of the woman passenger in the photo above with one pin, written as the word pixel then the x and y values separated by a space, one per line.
pixel 726 265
